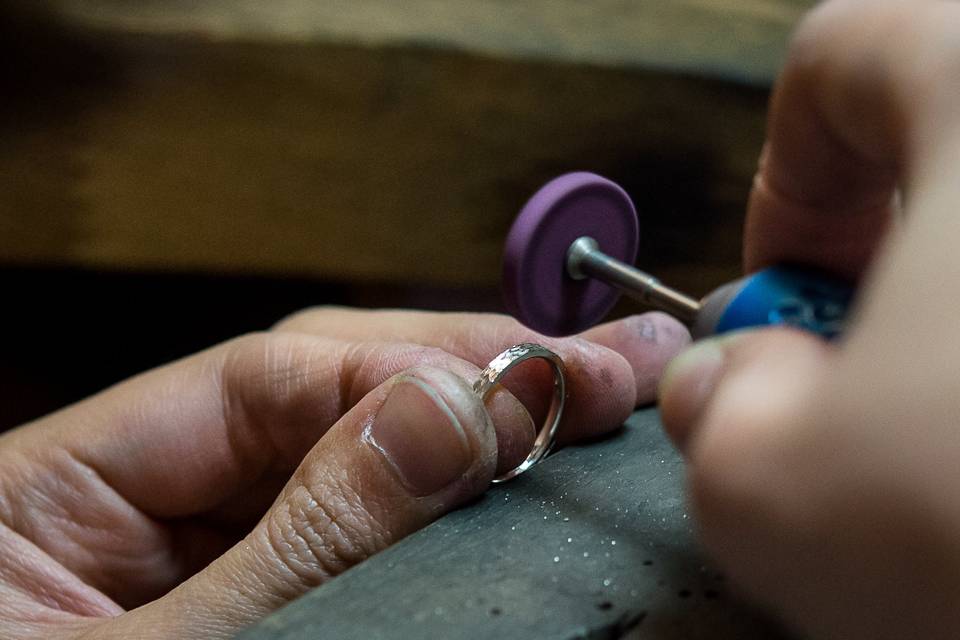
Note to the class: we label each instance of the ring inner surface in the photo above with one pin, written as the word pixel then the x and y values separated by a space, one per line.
pixel 498 369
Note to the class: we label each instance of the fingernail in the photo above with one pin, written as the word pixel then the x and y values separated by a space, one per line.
pixel 420 437
pixel 691 378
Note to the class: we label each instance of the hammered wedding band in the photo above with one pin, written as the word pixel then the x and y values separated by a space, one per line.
pixel 498 369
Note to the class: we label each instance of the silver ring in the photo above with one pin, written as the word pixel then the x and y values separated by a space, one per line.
pixel 495 372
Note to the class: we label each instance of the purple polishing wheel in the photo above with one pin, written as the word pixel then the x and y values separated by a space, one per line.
pixel 536 287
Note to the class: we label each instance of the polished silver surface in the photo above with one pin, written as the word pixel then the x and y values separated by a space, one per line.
pixel 586 260
pixel 498 369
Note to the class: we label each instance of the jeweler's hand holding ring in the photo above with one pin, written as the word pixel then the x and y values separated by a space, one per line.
pixel 194 499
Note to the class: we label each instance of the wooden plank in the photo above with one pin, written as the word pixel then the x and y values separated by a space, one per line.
pixel 740 39
pixel 324 139
pixel 593 543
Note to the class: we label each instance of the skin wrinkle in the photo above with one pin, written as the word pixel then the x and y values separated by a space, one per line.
pixel 352 360
pixel 368 506
pixel 251 587
pixel 236 418
pixel 115 543
pixel 324 542
pixel 14 576
pixel 103 488
pixel 29 571
pixel 245 407
pixel 303 566
pixel 76 479
pixel 8 512
pixel 354 523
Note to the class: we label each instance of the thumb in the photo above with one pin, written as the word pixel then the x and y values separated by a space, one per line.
pixel 414 448
pixel 729 386
pixel 745 409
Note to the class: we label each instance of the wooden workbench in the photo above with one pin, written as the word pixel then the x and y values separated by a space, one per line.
pixel 371 140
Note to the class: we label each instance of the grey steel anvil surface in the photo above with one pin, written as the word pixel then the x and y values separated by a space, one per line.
pixel 595 542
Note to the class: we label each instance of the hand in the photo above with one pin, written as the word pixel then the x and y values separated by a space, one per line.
pixel 826 478
pixel 207 493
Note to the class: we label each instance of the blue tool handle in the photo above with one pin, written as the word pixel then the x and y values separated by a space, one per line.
pixel 777 296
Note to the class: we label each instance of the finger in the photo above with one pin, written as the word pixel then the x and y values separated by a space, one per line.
pixel 805 472
pixel 648 342
pixel 215 432
pixel 861 98
pixel 740 408
pixel 610 368
pixel 739 370
pixel 411 450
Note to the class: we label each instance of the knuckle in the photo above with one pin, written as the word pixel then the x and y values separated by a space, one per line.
pixel 374 362
pixel 245 353
pixel 267 379
pixel 272 367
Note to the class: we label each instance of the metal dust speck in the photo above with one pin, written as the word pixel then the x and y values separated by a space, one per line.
pixel 569 539
pixel 556 558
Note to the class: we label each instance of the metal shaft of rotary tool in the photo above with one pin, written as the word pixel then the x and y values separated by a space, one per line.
pixel 585 260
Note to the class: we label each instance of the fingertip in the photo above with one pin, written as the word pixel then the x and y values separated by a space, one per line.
pixel 757 373
pixel 686 388
pixel 647 342
pixel 601 390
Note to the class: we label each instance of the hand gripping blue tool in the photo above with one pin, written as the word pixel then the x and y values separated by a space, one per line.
pixel 570 255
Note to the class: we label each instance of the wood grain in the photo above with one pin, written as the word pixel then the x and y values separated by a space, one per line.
pixel 359 141
pixel 732 38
